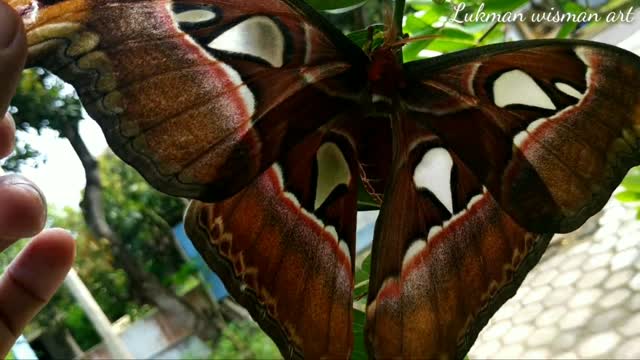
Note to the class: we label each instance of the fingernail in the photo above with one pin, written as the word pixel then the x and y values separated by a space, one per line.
pixel 22 182
pixel 8 25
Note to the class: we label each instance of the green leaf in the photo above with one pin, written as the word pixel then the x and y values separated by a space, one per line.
pixel 362 274
pixel 566 30
pixel 361 37
pixel 446 39
pixel 569 27
pixel 572 7
pixel 503 5
pixel 628 196
pixel 456 34
pixel 413 24
pixel 631 182
pixel 359 352
pixel 431 12
pixel 412 50
pixel 497 35
pixel 10 356
pixel 362 278
pixel 361 289
pixel 335 4
pixel 447 45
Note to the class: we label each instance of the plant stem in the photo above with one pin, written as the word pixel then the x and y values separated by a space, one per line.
pixel 398 14
pixel 484 36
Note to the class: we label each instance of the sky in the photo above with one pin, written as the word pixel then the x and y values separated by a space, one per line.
pixel 61 177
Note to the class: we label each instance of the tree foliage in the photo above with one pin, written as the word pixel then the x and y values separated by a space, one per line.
pixel 143 216
pixel 244 340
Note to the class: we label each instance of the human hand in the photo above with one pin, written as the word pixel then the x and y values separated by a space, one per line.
pixel 34 276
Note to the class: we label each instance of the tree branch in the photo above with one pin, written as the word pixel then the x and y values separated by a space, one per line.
pixel 398 14
pixel 152 290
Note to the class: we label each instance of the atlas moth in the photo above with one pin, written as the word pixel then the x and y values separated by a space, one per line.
pixel 271 119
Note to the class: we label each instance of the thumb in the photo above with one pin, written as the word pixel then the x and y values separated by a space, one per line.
pixel 13 52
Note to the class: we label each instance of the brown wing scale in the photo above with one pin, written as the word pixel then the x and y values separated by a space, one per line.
pixel 284 245
pixel 445 256
pixel 489 151
pixel 550 127
pixel 234 106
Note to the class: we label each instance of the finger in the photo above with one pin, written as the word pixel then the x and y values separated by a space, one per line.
pixel 13 52
pixel 22 209
pixel 31 280
pixel 7 135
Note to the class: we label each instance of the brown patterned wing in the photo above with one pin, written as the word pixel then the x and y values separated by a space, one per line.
pixel 550 127
pixel 199 96
pixel 445 256
pixel 284 245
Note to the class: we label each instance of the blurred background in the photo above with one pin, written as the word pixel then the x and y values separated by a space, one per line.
pixel 140 290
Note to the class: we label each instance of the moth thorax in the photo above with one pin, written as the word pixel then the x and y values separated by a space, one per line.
pixel 385 75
